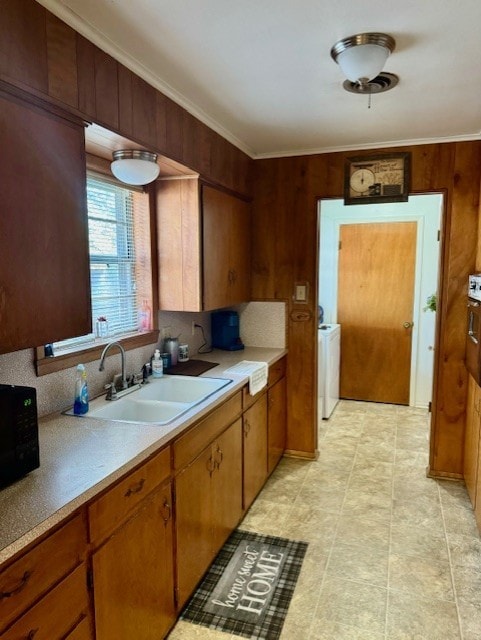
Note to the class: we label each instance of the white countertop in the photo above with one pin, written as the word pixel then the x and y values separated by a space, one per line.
pixel 79 457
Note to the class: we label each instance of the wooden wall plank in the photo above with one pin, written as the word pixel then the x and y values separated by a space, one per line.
pixel 86 77
pixel 23 44
pixel 144 109
pixel 62 61
pixel 106 89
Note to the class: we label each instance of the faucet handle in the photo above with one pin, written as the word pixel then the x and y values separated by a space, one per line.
pixel 111 391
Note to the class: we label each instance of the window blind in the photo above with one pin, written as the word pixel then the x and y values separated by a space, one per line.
pixel 120 259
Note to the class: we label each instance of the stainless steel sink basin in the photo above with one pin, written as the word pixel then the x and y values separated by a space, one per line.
pixel 159 402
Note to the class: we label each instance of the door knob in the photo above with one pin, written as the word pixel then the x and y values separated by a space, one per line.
pixel 408 325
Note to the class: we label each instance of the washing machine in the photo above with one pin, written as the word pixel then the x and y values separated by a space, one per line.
pixel 329 360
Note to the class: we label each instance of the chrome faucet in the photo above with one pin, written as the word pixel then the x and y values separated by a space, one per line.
pixel 122 356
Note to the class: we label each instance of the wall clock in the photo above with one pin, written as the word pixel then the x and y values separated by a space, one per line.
pixel 379 178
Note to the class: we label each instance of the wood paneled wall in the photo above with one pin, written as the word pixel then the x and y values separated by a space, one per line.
pixel 46 58
pixel 286 195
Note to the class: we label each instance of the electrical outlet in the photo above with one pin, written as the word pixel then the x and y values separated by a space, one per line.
pixel 193 327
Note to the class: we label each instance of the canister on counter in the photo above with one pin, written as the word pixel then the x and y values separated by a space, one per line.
pixel 166 359
pixel 183 352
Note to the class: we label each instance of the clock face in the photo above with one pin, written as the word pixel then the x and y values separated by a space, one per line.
pixel 377 179
pixel 361 180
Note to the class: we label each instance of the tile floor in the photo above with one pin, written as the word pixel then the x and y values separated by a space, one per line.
pixel 392 555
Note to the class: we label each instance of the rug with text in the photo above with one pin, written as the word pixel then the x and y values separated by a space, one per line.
pixel 249 586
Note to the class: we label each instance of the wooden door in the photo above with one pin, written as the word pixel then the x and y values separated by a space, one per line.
pixel 471 439
pixel 240 256
pixel 134 575
pixel 276 423
pixel 193 488
pixel 217 272
pixel 375 299
pixel 227 484
pixel 255 449
pixel 44 261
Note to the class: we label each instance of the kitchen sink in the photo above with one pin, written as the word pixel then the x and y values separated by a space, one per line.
pixel 130 410
pixel 181 388
pixel 159 402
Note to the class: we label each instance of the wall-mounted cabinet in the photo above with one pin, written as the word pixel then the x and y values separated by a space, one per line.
pixel 44 264
pixel 203 247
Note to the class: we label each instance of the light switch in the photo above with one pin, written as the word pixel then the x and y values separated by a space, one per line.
pixel 301 293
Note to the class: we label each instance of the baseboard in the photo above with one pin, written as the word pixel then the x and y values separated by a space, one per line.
pixel 304 455
pixel 443 475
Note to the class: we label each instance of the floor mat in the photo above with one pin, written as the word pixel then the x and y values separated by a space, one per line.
pixel 249 586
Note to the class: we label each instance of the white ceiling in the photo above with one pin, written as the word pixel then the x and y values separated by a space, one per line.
pixel 260 72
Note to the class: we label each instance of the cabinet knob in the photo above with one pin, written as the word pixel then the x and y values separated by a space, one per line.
pixel 247 427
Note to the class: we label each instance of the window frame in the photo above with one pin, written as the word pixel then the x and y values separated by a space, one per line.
pixel 91 352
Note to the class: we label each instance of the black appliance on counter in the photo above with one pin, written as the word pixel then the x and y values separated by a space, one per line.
pixel 19 449
pixel 225 330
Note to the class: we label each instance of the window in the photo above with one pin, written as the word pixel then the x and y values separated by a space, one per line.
pixel 120 262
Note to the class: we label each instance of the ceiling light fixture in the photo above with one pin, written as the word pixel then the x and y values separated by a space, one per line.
pixel 135 167
pixel 362 58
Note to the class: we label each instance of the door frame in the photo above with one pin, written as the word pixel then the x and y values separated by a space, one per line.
pixel 333 213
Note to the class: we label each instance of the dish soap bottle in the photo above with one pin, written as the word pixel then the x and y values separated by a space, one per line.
pixel 81 403
pixel 157 365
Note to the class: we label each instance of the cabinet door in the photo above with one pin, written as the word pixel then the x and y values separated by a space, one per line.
pixel 227 481
pixel 193 523
pixel 471 439
pixel 240 255
pixel 277 423
pixel 254 449
pixel 133 575
pixel 226 249
pixel 217 271
pixel 44 262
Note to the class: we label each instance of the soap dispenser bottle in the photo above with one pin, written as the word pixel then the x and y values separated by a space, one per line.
pixel 81 403
pixel 157 365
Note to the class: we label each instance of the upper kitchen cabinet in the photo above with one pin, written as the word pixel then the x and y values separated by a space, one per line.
pixel 226 249
pixel 203 247
pixel 44 268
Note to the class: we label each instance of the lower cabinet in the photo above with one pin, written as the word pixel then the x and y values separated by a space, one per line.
pixel 208 507
pixel 131 533
pixel 276 423
pixel 254 450
pixel 43 594
pixel 133 574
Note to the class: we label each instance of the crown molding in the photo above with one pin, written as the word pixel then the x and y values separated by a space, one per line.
pixel 363 147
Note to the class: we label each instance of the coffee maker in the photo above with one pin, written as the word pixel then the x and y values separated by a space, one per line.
pixel 225 330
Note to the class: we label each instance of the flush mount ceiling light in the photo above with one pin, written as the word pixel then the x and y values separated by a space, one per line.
pixel 362 58
pixel 135 167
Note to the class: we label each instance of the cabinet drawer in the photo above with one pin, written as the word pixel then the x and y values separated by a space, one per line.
pixel 248 400
pixel 188 446
pixel 33 574
pixel 109 511
pixel 55 614
pixel 276 371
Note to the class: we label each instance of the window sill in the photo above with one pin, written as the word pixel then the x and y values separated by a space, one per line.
pixel 89 353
